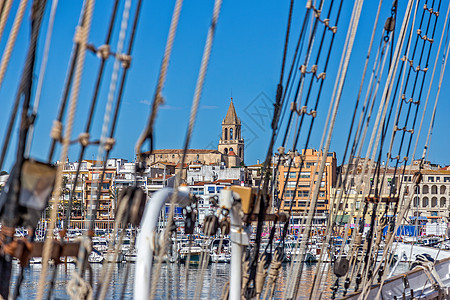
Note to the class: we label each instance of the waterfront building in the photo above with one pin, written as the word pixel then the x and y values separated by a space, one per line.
pixel 207 193
pixel 209 173
pixel 431 198
pixel 300 194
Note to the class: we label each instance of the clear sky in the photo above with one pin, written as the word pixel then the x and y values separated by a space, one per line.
pixel 245 63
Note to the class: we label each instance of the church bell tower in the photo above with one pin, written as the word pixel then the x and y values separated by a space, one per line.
pixel 231 142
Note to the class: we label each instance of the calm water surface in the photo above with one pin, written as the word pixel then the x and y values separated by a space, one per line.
pixel 172 282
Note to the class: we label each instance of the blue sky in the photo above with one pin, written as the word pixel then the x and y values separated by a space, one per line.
pixel 245 63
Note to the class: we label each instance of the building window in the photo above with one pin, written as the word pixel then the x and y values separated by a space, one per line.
pixel 430 179
pixel 417 191
pixel 438 179
pixel 231 133
pixel 416 202
pixel 442 189
pixel 291 174
pixel 446 179
pixel 303 194
pixel 309 164
pixel 291 184
pixel 321 194
pixel 434 189
pixel 289 194
pixel 434 202
pixel 225 137
pixel 442 202
pixel 425 202
pixel 425 189
pixel 287 203
pixel 226 150
pixel 305 175
pixel 211 189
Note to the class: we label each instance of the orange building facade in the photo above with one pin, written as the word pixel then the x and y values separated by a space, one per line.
pixel 298 186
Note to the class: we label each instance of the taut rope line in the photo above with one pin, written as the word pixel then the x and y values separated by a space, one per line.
pixel 81 38
pixel 48 39
pixel 193 115
pixel 12 38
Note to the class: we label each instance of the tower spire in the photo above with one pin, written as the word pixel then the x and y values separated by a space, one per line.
pixel 231 143
pixel 231 117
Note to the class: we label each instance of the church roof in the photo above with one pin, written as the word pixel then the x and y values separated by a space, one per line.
pixel 231 117
pixel 180 151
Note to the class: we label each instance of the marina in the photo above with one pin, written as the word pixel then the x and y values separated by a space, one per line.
pixel 172 278
pixel 112 190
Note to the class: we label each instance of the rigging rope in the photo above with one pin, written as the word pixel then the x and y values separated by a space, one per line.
pixel 6 7
pixel 317 279
pixel 338 85
pixel 3 66
pixel 84 137
pixel 12 38
pixel 444 62
pixel 81 38
pixel 37 98
pixel 11 208
pixel 193 115
pixel 396 59
pixel 107 143
pixel 157 97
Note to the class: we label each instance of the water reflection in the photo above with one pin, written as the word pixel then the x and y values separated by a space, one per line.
pixel 172 281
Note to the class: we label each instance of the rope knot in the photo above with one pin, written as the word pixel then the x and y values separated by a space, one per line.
pixel 303 110
pixel 83 138
pixel 309 4
pixel 261 273
pixel 125 59
pixel 291 154
pixel 104 51
pixel 303 69
pixel 80 34
pixel 56 132
pixel 109 144
pixel 77 288
pixel 293 107
pixel 322 75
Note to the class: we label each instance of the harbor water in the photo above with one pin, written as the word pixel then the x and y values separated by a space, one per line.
pixel 173 283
